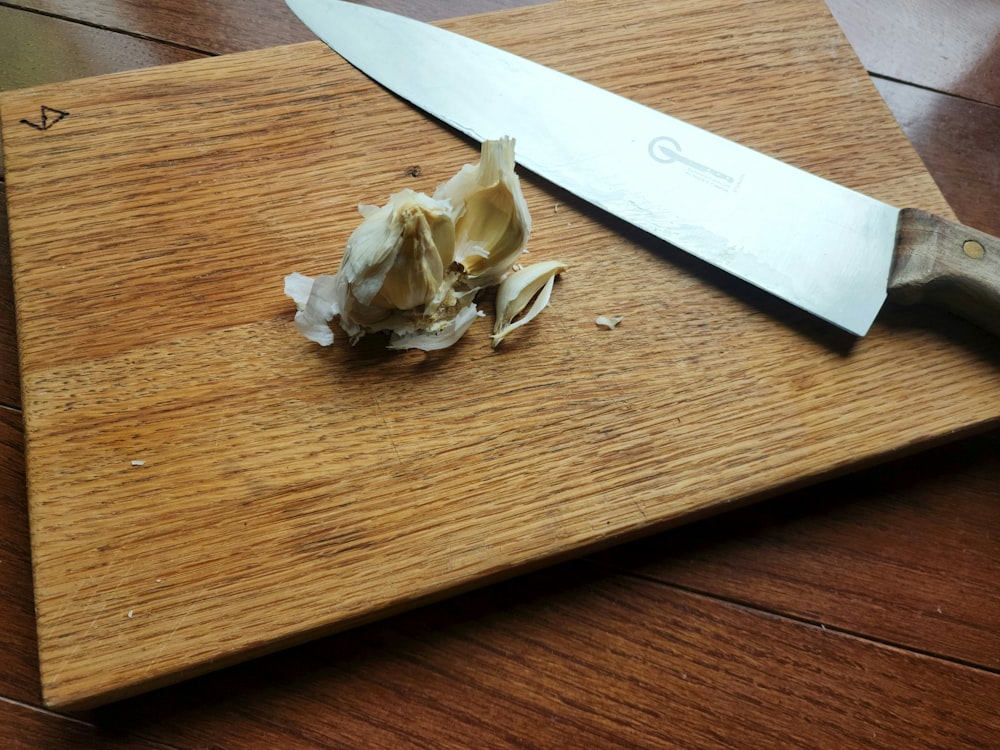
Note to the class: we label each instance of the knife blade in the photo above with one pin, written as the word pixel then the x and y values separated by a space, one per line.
pixel 825 248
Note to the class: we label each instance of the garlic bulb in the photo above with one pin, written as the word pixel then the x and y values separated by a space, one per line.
pixel 413 267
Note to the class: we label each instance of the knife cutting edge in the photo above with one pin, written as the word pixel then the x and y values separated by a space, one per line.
pixel 829 250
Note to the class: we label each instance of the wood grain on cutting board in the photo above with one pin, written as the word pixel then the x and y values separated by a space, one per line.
pixel 205 485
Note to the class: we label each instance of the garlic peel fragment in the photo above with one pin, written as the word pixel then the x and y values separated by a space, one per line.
pixel 317 305
pixel 532 282
pixel 608 321
pixel 298 286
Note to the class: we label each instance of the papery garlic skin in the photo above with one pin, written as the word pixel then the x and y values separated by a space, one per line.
pixel 610 322
pixel 414 266
pixel 316 303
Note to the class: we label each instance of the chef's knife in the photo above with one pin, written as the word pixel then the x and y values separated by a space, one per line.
pixel 820 246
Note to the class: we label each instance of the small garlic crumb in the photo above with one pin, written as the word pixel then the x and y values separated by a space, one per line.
pixel 130 614
pixel 609 321
pixel 138 463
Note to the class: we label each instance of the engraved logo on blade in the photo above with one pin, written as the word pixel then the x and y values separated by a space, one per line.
pixel 668 151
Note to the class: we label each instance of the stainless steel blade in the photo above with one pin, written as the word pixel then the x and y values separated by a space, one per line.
pixel 816 244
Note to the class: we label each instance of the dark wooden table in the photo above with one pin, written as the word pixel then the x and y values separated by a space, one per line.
pixel 864 612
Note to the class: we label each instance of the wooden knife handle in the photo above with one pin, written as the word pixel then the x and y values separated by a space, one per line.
pixel 949 265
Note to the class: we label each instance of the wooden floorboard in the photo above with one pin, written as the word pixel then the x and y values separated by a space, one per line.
pixel 10 388
pixel 941 45
pixel 19 656
pixel 29 728
pixel 894 553
pixel 219 27
pixel 959 141
pixel 937 65
pixel 634 664
pixel 40 49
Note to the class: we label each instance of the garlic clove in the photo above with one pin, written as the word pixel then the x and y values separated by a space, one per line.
pixel 418 269
pixel 492 223
pixel 441 339
pixel 517 290
pixel 395 259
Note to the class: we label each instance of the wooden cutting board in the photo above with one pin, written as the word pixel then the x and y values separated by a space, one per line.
pixel 206 485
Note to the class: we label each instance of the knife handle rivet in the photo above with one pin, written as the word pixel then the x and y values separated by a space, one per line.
pixel 973 249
